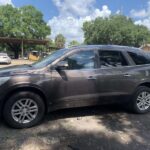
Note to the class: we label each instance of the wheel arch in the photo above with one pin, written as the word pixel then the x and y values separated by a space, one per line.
pixel 147 84
pixel 28 88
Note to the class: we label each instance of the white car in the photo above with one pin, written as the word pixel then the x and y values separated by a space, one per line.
pixel 4 58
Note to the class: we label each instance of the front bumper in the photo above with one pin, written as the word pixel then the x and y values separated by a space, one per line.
pixel 3 95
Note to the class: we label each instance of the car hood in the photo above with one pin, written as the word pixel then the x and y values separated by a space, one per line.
pixel 14 70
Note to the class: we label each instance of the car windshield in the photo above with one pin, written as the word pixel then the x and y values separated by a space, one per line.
pixel 49 59
pixel 147 57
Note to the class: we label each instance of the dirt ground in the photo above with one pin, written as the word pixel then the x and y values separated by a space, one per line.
pixel 16 62
pixel 91 128
pixel 94 128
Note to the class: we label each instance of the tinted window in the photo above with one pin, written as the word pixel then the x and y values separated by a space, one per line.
pixel 112 59
pixel 139 58
pixel 50 58
pixel 81 60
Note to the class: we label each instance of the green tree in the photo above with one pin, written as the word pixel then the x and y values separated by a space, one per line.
pixel 51 43
pixel 25 22
pixel 74 43
pixel 117 29
pixel 60 41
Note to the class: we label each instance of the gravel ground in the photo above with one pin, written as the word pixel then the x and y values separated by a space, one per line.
pixel 96 128
pixel 16 62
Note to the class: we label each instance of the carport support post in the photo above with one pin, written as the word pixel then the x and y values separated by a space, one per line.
pixel 22 50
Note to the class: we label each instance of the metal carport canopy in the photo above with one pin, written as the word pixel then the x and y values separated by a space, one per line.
pixel 21 40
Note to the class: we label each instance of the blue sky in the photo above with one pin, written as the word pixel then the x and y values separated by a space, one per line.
pixel 46 6
pixel 67 16
pixel 49 8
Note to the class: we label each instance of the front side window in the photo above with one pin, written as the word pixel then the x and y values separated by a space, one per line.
pixel 111 59
pixel 50 58
pixel 139 58
pixel 81 60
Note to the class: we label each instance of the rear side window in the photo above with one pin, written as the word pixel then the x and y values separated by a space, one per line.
pixel 139 58
pixel 112 59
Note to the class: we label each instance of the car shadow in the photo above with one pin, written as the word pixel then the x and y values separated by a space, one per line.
pixel 85 111
pixel 100 127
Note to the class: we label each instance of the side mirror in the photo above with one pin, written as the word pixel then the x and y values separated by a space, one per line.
pixel 62 65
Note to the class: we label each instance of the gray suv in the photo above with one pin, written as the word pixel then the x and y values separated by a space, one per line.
pixel 75 77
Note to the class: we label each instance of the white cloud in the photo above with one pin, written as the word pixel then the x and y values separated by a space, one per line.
pixel 70 27
pixel 74 7
pixel 145 22
pixel 118 12
pixel 142 16
pixel 5 2
pixel 71 16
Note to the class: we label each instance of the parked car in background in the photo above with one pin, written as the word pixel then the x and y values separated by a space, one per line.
pixel 37 55
pixel 75 77
pixel 11 56
pixel 34 55
pixel 4 58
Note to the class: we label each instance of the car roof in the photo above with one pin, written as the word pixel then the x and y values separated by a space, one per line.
pixel 107 47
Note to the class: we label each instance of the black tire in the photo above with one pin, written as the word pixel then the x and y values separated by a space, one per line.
pixel 133 104
pixel 7 115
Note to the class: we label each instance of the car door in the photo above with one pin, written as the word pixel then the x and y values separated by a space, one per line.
pixel 76 84
pixel 114 76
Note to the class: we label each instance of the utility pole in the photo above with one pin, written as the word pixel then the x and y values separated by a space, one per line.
pixel 22 50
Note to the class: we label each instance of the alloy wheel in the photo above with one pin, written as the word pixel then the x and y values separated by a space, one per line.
pixel 24 111
pixel 143 100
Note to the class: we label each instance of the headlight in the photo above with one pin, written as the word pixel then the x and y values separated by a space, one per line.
pixel 3 80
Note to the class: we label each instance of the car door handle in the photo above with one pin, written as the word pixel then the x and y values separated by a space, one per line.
pixel 127 75
pixel 91 78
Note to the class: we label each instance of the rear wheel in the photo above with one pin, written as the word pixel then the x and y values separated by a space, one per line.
pixel 141 100
pixel 23 110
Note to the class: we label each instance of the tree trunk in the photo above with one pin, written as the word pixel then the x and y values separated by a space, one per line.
pixel 15 48
pixel 16 53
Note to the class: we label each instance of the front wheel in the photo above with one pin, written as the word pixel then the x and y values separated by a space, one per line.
pixel 141 100
pixel 24 110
